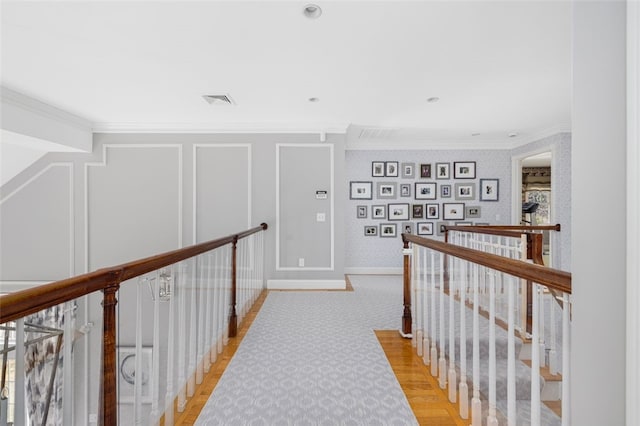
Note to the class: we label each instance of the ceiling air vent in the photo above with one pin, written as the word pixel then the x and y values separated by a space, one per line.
pixel 219 99
pixel 377 133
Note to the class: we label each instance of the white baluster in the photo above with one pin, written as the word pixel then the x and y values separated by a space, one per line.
pixel 492 419
pixel 418 306
pixel 442 362
pixel 463 388
pixel 208 314
pixel 566 357
pixel 181 300
pixel 412 301
pixel 68 376
pixel 434 350
pixel 155 381
pixel 553 354
pixel 200 309
pixel 541 332
pixel 452 338
pixel 425 304
pixel 19 410
pixel 168 398
pixel 476 403
pixel 193 327
pixel 535 360
pixel 137 384
pixel 511 353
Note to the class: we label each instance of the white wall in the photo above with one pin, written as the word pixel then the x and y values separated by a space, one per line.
pixel 598 159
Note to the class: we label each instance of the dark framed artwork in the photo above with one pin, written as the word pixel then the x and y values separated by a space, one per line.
pixel 379 212
pixel 361 212
pixel 391 169
pixel 360 190
pixel 386 190
pixel 388 230
pixel 489 189
pixel 425 170
pixel 370 231
pixel 408 170
pixel 453 211
pixel 432 211
pixel 465 191
pixel 445 191
pixel 417 211
pixel 426 191
pixel 377 169
pixel 464 170
pixel 398 211
pixel 443 171
pixel 425 228
pixel 407 228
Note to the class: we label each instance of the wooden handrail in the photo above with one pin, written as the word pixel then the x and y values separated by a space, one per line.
pixel 502 230
pixel 555 227
pixel 25 302
pixel 22 303
pixel 552 278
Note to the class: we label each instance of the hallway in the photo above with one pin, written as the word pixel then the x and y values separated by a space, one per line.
pixel 313 358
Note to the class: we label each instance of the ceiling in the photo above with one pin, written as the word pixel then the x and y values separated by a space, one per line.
pixel 497 67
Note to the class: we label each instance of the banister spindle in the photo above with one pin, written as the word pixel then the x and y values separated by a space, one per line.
pixel 233 318
pixel 108 410
pixel 406 314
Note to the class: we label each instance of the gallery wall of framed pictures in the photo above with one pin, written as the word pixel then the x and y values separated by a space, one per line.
pixel 421 197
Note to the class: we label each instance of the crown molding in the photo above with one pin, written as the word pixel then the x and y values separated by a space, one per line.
pixel 192 128
pixel 11 97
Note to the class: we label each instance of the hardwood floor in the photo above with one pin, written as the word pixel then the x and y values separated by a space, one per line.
pixel 428 402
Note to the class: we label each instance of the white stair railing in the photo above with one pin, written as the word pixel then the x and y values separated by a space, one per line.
pixel 438 291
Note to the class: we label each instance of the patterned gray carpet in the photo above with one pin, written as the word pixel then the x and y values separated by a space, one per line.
pixel 312 358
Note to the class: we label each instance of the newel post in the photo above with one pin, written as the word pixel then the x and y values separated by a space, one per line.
pixel 233 319
pixel 406 316
pixel 108 408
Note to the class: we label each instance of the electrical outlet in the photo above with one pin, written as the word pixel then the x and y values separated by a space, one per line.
pixel 321 217
pixel 301 262
pixel 93 418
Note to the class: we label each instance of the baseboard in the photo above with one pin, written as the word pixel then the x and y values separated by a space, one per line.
pixel 306 284
pixel 373 271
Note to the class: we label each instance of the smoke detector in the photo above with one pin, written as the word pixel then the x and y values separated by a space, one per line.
pixel 219 99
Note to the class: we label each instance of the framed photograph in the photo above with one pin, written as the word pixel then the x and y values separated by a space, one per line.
pixel 426 191
pixel 425 228
pixel 391 169
pixel 465 191
pixel 361 212
pixel 398 212
pixel 417 211
pixel 408 170
pixel 127 374
pixel 433 211
pixel 453 211
pixel 472 212
pixel 388 229
pixel 425 170
pixel 407 228
pixel 387 190
pixel 464 169
pixel 360 190
pixel 445 191
pixel 482 224
pixel 442 171
pixel 370 231
pixel 405 190
pixel 489 189
pixel 378 212
pixel 377 169
pixel 440 228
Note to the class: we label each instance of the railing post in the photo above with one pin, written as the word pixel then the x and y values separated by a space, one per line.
pixel 233 319
pixel 406 316
pixel 108 380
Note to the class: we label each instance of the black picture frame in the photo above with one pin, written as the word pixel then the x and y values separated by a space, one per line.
pixel 464 169
pixel 426 191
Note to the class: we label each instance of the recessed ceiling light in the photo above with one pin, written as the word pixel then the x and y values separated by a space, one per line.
pixel 513 134
pixel 433 99
pixel 312 11
pixel 314 99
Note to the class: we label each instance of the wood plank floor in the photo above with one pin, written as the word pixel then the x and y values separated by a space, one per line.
pixel 428 402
